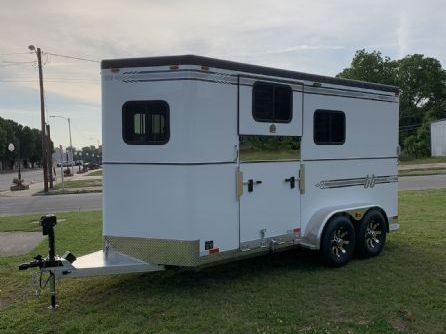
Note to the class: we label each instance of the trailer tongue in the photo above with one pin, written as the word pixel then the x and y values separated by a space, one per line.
pixel 100 263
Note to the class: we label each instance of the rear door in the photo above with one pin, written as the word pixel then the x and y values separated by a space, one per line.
pixel 270 128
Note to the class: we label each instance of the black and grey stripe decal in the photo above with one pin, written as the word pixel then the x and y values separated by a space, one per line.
pixel 366 182
pixel 230 79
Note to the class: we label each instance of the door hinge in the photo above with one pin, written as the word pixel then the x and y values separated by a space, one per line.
pixel 302 179
pixel 239 183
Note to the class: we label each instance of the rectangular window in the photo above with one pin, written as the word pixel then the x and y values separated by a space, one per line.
pixel 145 122
pixel 272 103
pixel 329 127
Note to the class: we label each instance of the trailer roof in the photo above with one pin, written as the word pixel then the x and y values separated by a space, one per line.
pixel 241 67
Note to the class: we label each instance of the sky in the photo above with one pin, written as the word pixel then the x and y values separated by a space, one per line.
pixel 318 36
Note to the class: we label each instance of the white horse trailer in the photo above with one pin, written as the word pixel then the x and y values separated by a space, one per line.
pixel 206 160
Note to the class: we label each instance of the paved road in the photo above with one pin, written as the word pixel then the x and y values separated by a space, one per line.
pixel 50 203
pixel 422 182
pixel 93 201
pixel 34 175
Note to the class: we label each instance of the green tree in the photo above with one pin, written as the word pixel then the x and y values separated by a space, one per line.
pixel 91 154
pixel 422 83
pixel 36 152
pixel 28 139
pixel 371 67
pixel 3 138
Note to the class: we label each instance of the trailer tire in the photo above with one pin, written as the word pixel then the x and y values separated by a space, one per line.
pixel 338 242
pixel 371 234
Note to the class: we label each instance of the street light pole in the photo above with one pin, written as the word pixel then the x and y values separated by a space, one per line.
pixel 71 146
pixel 11 149
pixel 50 156
pixel 20 162
pixel 69 132
pixel 42 117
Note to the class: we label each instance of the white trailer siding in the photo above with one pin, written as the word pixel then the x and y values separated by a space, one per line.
pixel 438 138
pixel 203 119
pixel 192 194
pixel 369 151
pixel 185 189
pixel 370 128
pixel 320 193
pixel 173 203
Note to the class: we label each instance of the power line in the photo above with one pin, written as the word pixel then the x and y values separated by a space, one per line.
pixel 15 64
pixel 15 53
pixel 72 57
pixel 54 81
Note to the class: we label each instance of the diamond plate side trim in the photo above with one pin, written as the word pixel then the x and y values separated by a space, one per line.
pixel 157 251
pixel 186 253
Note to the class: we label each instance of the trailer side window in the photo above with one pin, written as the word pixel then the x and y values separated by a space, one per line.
pixel 329 127
pixel 145 122
pixel 272 103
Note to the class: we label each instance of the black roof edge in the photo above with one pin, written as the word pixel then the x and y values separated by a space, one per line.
pixel 439 120
pixel 241 67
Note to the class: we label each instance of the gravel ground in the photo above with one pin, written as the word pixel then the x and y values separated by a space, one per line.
pixel 19 243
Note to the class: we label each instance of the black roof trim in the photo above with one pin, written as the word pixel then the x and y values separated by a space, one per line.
pixel 241 67
pixel 439 120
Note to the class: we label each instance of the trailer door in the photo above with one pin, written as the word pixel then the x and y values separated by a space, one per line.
pixel 270 128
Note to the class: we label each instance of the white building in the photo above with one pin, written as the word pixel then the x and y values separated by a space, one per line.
pixel 438 138
pixel 59 156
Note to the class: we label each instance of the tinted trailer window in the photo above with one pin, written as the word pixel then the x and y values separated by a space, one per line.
pixel 145 122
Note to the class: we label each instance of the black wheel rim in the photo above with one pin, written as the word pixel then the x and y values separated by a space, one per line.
pixel 340 243
pixel 374 234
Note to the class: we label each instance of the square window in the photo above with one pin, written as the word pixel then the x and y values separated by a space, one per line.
pixel 329 127
pixel 145 122
pixel 272 103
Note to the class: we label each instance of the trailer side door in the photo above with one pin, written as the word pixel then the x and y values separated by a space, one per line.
pixel 270 128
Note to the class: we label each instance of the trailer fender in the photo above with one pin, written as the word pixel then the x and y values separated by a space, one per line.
pixel 315 227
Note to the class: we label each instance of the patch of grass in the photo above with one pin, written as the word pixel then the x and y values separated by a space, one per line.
pixel 427 160
pixel 95 173
pixel 20 223
pixel 418 172
pixel 79 184
pixel 401 291
pixel 253 155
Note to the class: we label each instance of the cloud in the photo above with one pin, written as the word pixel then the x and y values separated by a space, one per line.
pixel 304 47
pixel 403 36
pixel 310 36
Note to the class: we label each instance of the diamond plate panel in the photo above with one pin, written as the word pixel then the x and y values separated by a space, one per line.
pixel 157 251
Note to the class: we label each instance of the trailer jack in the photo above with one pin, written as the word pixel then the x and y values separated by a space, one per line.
pixel 48 222
pixel 108 262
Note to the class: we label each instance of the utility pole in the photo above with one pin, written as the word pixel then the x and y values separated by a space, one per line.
pixel 42 117
pixel 50 156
